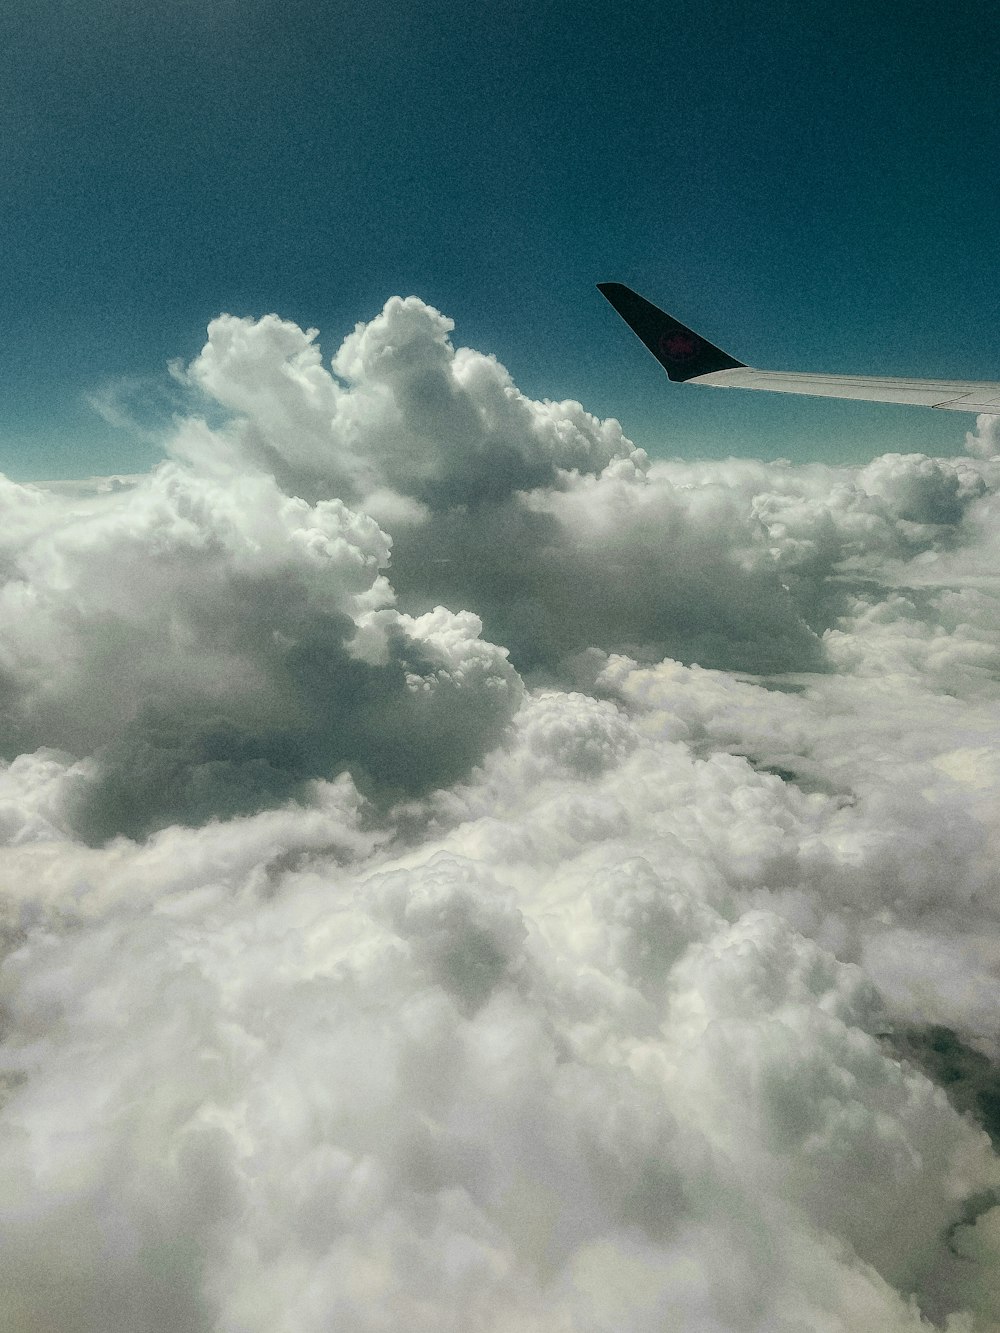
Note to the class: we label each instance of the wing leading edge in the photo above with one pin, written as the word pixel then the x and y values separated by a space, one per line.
pixel 688 358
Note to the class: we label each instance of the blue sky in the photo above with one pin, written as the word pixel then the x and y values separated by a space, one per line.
pixel 812 185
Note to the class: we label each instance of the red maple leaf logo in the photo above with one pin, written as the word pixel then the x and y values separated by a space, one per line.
pixel 679 346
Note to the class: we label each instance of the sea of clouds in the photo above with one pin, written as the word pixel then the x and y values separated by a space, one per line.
pixel 458 874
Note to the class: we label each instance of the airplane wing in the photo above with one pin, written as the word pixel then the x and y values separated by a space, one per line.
pixel 690 359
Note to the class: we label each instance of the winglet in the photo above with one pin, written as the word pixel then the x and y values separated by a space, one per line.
pixel 683 354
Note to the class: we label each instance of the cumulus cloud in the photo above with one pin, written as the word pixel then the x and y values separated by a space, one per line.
pixel 210 643
pixel 458 873
pixel 984 441
pixel 402 412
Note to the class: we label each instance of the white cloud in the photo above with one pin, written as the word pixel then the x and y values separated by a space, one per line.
pixel 213 642
pixel 350 984
pixel 984 441
pixel 403 412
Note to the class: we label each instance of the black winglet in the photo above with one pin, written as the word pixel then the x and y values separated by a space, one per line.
pixel 683 354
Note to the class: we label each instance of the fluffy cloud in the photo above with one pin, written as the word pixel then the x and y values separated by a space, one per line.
pixel 403 414
pixel 984 441
pixel 358 975
pixel 211 643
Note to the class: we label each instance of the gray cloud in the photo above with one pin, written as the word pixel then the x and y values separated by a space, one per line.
pixel 212 644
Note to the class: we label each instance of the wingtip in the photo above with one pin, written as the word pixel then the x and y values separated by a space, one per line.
pixel 682 353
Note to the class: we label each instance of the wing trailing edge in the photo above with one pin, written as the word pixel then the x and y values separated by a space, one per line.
pixel 688 358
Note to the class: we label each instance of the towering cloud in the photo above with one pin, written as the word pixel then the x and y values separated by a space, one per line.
pixel 458 873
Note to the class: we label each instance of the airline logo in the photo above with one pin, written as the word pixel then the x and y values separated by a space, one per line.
pixel 679 345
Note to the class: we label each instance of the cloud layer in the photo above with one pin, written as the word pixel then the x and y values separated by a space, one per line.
pixel 458 873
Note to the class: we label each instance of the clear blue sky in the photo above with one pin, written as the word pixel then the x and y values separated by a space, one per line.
pixel 814 185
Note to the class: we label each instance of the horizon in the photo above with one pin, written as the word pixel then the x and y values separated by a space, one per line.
pixel 805 186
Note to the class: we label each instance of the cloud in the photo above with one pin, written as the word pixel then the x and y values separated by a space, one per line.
pixel 983 442
pixel 403 412
pixel 456 872
pixel 212 643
